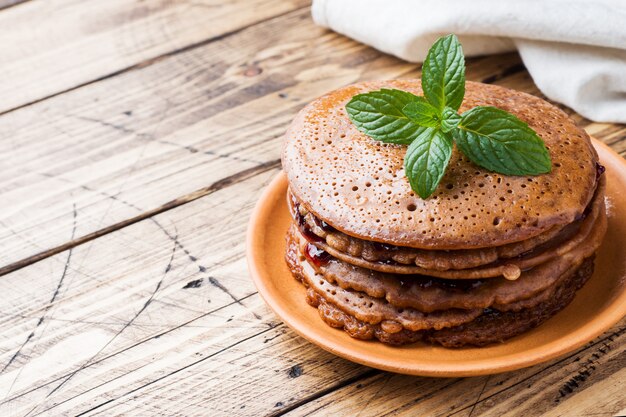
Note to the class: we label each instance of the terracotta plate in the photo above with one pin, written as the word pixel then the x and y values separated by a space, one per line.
pixel 598 306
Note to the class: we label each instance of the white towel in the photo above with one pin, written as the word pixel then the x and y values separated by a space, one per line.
pixel 575 50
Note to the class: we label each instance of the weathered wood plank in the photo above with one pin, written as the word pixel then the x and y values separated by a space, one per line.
pixel 74 241
pixel 158 133
pixel 568 386
pixel 102 298
pixel 590 382
pixel 62 44
pixel 247 379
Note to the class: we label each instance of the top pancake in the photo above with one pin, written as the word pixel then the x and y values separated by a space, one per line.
pixel 358 186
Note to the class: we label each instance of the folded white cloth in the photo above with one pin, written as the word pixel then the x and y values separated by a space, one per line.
pixel 575 50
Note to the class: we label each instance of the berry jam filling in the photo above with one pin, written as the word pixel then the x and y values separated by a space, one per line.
pixel 315 255
pixel 302 223
pixel 304 228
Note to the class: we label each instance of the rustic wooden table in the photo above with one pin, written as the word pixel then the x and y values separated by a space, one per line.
pixel 136 136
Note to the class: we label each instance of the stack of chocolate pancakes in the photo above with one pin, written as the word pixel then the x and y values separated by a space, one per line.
pixel 485 258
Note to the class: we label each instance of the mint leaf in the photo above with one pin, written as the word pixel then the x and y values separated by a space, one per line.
pixel 450 119
pixel 489 137
pixel 500 142
pixel 423 113
pixel 379 115
pixel 426 160
pixel 443 74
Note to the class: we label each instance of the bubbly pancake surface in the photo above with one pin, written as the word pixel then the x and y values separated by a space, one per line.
pixel 358 186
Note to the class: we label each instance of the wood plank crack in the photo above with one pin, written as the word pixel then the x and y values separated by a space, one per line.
pixel 216 186
pixel 369 373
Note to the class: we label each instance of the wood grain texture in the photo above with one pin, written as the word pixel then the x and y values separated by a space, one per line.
pixel 62 44
pixel 126 197
pixel 565 387
pixel 93 306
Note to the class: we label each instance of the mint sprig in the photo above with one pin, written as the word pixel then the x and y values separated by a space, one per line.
pixel 490 137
